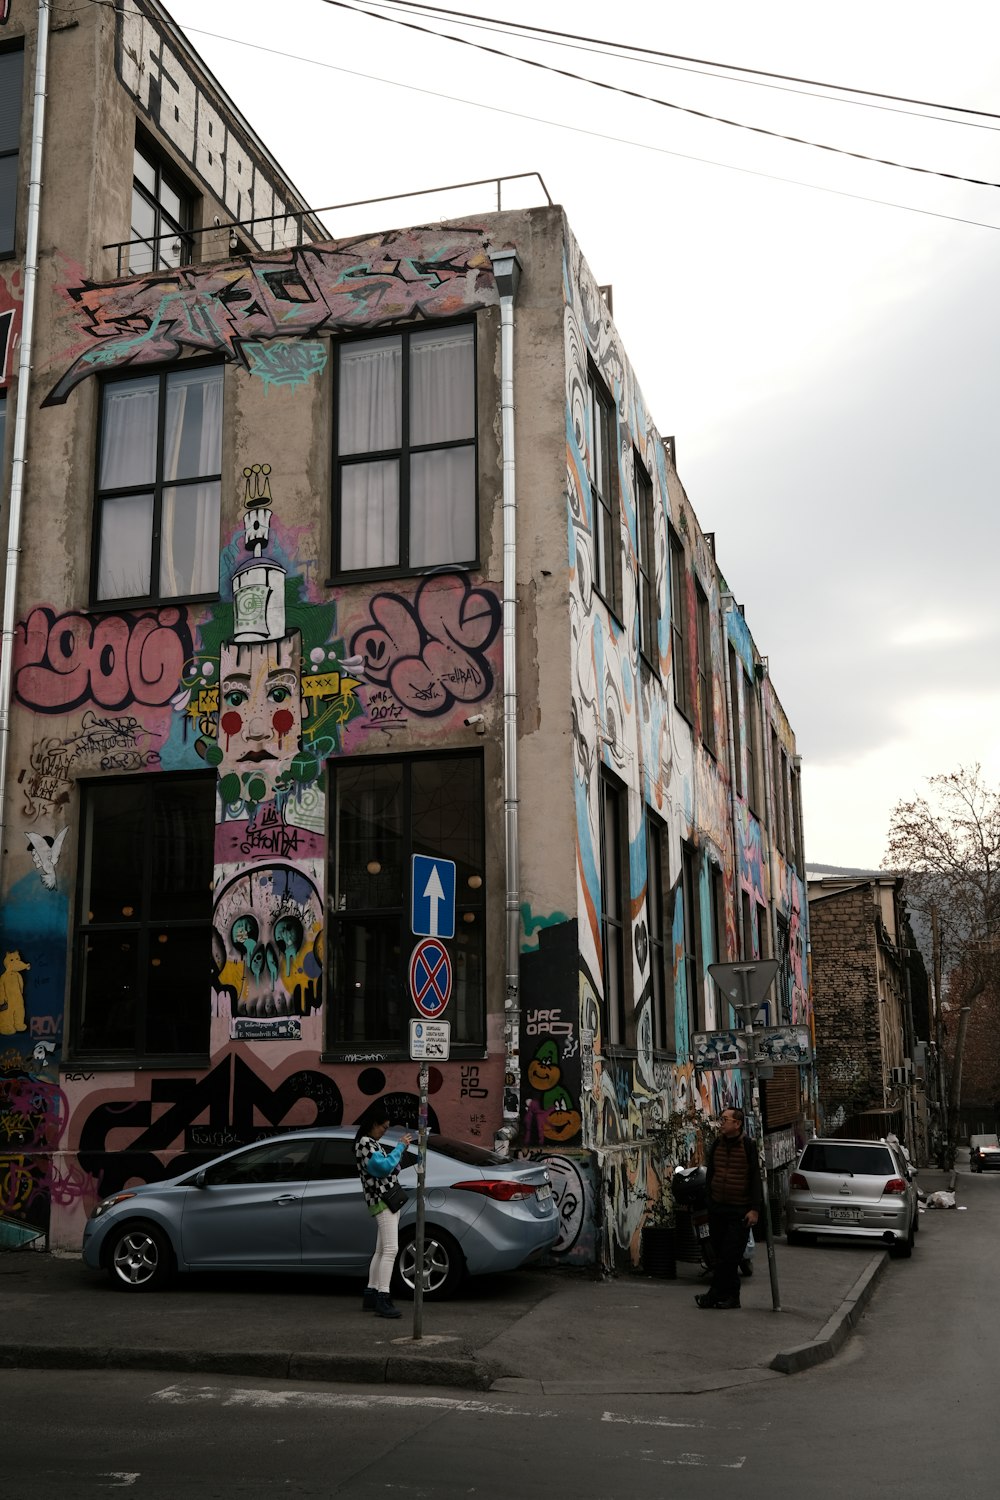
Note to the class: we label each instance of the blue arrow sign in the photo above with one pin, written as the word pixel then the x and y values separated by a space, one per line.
pixel 432 897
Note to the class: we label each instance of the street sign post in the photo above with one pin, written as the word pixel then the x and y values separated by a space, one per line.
pixel 430 1041
pixel 745 985
pixel 423 1083
pixel 432 897
pixel 430 978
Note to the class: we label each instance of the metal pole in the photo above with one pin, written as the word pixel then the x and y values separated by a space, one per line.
pixel 418 1286
pixel 747 1007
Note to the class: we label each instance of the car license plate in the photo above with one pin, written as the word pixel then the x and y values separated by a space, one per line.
pixel 545 1191
pixel 847 1215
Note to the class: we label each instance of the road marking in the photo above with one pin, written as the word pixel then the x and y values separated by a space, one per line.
pixel 123 1479
pixel 613 1416
pixel 177 1395
pixel 687 1460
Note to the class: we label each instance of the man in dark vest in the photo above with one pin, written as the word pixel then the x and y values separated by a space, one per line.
pixel 735 1198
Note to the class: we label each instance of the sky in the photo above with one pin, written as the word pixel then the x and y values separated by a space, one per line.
pixel 829 367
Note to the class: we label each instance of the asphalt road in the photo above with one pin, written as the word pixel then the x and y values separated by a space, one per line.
pixel 908 1409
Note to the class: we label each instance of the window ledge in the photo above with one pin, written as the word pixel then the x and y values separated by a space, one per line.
pixel 363 1056
pixel 104 1064
pixel 115 606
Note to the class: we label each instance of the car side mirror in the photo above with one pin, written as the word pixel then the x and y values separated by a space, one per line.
pixel 201 1179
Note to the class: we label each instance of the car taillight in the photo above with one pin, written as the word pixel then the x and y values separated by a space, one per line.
pixel 798 1181
pixel 502 1189
pixel 895 1185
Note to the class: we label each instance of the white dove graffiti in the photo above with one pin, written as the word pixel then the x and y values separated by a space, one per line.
pixel 45 849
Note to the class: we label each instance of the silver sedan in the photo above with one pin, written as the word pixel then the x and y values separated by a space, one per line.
pixel 294 1203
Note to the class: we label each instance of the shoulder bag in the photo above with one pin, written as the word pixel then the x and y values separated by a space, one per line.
pixel 395 1198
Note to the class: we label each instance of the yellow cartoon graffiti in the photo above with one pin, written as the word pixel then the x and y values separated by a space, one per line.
pixel 12 995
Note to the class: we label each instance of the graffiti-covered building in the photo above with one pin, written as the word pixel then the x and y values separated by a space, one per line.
pixel 334 556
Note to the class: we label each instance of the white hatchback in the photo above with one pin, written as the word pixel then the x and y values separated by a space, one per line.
pixel 858 1189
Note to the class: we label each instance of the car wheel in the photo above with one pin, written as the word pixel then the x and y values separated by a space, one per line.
pixel 902 1249
pixel 444 1265
pixel 139 1258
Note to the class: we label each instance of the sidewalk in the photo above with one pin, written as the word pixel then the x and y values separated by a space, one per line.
pixel 547 1331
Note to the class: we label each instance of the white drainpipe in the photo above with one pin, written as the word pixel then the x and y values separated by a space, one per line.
pixel 21 403
pixel 507 270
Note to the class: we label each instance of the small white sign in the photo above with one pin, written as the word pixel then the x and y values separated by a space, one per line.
pixel 430 1041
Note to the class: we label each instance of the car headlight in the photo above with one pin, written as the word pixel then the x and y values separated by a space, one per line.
pixel 107 1203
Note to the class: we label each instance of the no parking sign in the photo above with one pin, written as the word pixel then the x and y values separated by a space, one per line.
pixel 430 977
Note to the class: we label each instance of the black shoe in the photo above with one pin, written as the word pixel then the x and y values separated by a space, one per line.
pixel 746 1267
pixel 729 1302
pixel 384 1307
pixel 706 1300
pixel 368 1300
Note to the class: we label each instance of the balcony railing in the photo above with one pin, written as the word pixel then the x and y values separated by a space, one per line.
pixel 234 226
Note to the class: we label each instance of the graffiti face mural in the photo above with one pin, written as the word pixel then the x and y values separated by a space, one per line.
pixel 268 947
pixel 260 717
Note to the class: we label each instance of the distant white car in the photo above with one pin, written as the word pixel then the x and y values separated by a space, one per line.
pixel 855 1189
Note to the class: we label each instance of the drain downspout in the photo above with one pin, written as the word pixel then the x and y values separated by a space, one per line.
pixel 21 409
pixel 507 270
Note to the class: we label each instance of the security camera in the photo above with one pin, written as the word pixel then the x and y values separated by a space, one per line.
pixel 475 719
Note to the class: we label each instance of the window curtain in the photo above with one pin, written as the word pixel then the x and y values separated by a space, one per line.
pixel 442 508
pixel 369 420
pixel 128 461
pixel 442 386
pixel 189 531
pixel 442 410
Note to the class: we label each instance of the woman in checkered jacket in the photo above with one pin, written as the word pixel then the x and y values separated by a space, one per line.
pixel 378 1168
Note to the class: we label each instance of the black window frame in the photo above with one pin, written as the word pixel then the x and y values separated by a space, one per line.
pixel 746 909
pixel 735 720
pixel 678 623
pixel 605 499
pixel 613 830
pixel 661 996
pixel 165 225
pixel 763 931
pixel 706 674
pixel 777 794
pixel 467 900
pixel 159 484
pixel 692 958
pixel 404 453
pixel 796 795
pixel 752 722
pixel 645 531
pixel 149 786
pixel 13 153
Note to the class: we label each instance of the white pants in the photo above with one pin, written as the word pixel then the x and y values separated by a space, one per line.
pixel 386 1245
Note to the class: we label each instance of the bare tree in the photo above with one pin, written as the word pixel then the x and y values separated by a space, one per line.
pixel 947 845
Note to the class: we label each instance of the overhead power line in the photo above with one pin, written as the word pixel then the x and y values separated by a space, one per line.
pixel 599 135
pixel 569 41
pixel 624 47
pixel 686 109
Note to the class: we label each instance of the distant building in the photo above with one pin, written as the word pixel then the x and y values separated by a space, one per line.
pixel 865 1049
pixel 334 556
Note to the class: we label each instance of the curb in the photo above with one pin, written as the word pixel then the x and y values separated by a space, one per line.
pixel 269 1364
pixel 836 1331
